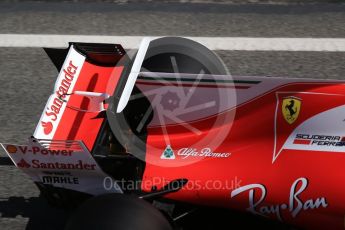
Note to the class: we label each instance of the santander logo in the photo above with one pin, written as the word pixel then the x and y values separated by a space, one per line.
pixel 53 108
pixel 47 127
pixel 23 164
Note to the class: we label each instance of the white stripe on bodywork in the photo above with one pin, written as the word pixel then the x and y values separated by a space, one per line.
pixel 320 125
pixel 316 125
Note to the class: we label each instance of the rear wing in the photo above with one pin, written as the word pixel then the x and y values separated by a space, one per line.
pixel 59 153
pixel 88 75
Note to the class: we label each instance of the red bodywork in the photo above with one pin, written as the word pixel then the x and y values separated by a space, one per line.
pixel 276 151
pixel 302 187
pixel 78 125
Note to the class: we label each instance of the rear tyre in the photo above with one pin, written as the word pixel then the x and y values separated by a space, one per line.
pixel 116 211
pixel 60 197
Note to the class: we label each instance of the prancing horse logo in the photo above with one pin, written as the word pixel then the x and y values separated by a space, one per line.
pixel 291 107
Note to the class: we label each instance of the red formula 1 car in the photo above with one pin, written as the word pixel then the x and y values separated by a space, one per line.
pixel 142 133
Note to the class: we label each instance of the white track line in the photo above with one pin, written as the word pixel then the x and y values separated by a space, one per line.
pixel 214 43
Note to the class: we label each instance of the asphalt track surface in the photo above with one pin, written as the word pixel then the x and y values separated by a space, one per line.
pixel 27 76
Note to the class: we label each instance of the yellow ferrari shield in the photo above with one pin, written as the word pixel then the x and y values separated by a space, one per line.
pixel 291 107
